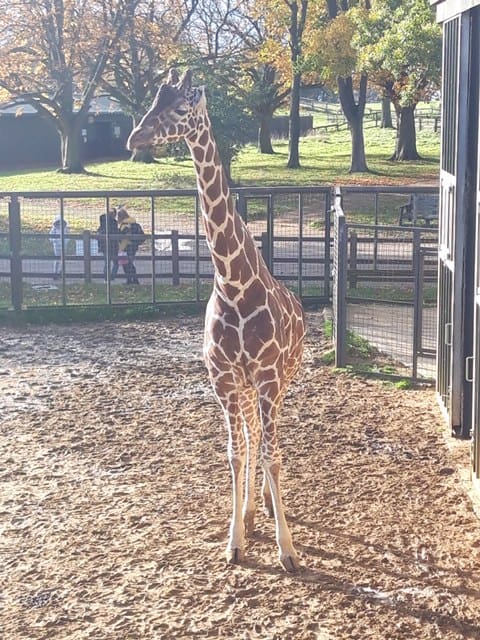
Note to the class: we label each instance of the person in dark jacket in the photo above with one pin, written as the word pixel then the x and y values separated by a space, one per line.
pixel 127 247
pixel 108 242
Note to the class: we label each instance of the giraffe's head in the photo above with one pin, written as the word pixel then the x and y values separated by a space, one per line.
pixel 174 114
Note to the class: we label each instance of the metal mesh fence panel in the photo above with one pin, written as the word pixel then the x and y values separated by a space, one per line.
pixel 391 299
pixel 173 263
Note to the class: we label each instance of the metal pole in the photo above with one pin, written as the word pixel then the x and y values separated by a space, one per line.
pixel 15 239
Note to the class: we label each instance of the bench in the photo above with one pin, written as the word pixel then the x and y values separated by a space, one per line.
pixel 422 207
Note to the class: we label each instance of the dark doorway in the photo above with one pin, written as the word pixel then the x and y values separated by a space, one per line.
pixel 99 140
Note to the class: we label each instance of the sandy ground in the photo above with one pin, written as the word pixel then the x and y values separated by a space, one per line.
pixel 115 499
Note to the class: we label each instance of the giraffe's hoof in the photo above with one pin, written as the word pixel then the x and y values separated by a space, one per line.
pixel 235 555
pixel 290 563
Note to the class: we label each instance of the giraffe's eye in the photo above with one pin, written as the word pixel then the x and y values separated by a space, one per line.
pixel 180 112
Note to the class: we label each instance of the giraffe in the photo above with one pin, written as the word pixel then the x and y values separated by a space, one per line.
pixel 254 326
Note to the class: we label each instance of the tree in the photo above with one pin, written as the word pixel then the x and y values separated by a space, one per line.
pixel 264 97
pixel 337 58
pixel 264 83
pixel 284 23
pixel 298 17
pixel 53 54
pixel 232 125
pixel 399 45
pixel 140 60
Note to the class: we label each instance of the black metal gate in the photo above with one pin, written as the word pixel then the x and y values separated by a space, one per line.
pixel 450 358
pixel 476 357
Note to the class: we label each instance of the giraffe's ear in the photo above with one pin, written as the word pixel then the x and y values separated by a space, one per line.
pixel 173 76
pixel 186 81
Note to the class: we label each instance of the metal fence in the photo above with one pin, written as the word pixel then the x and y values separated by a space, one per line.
pixel 291 226
pixel 385 295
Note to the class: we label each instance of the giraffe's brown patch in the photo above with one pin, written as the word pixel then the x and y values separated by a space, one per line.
pixel 210 154
pixel 268 374
pixel 225 188
pixel 221 245
pixel 230 342
pixel 253 297
pixel 269 389
pixel 208 173
pixel 198 154
pixel 203 139
pixel 257 331
pixel 225 311
pixel 231 291
pixel 221 268
pixel 270 355
pixel 225 382
pixel 217 215
pixel 213 191
pixel 251 251
pixel 240 269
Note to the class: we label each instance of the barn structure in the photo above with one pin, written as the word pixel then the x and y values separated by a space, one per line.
pixel 458 366
pixel 27 139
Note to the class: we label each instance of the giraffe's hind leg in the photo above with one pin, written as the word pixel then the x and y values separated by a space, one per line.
pixel 271 460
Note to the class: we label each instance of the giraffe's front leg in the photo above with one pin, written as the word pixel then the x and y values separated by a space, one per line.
pixel 237 455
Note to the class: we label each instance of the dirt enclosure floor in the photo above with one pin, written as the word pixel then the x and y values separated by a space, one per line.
pixel 115 499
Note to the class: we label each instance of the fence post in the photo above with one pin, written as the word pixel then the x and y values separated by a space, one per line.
pixel 417 265
pixel 15 239
pixel 87 261
pixel 265 248
pixel 327 239
pixel 352 281
pixel 241 206
pixel 340 284
pixel 175 259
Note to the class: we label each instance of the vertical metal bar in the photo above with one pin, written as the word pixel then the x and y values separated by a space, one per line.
pixel 175 258
pixel 300 245
pixel 87 262
pixel 340 282
pixel 375 235
pixel 106 255
pixel 417 301
pixel 197 251
pixel 270 233
pixel 62 250
pixel 15 241
pixel 153 260
pixel 326 246
pixel 353 260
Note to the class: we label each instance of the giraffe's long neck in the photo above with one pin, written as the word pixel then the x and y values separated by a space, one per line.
pixel 234 254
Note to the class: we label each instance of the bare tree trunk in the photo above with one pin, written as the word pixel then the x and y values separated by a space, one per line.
pixel 358 163
pixel 294 133
pixel 386 114
pixel 70 144
pixel 406 141
pixel 264 135
pixel 354 111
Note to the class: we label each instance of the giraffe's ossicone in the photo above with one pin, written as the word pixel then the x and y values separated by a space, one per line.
pixel 254 326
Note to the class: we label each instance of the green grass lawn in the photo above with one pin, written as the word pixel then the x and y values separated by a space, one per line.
pixel 324 159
